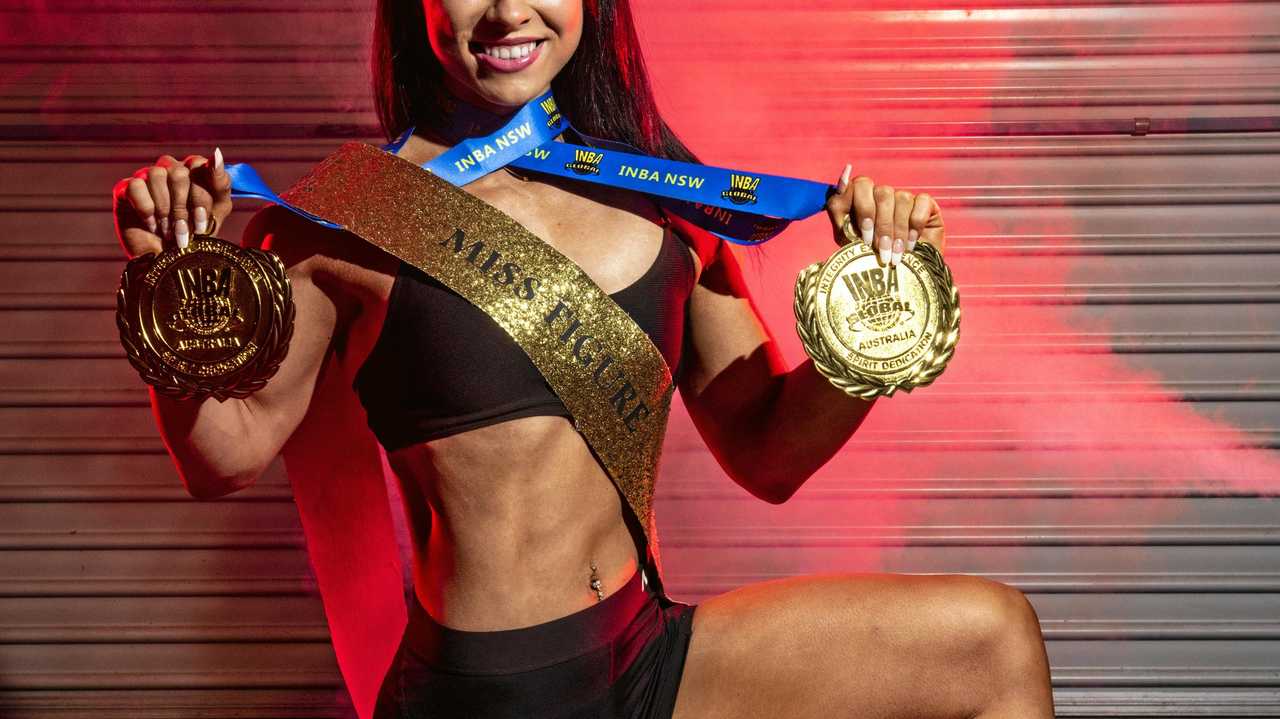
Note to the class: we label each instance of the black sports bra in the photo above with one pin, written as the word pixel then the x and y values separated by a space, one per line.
pixel 441 366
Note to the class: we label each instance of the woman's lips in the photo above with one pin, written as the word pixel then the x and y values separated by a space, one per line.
pixel 501 64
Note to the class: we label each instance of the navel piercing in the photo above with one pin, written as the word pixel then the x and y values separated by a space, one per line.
pixel 595 582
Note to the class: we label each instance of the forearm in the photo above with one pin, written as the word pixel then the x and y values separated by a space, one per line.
pixel 802 422
pixel 209 442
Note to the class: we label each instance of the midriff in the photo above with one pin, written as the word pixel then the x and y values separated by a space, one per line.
pixel 506 521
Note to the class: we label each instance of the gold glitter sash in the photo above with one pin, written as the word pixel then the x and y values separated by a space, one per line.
pixel 611 377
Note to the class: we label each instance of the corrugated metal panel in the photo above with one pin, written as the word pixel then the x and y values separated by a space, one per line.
pixel 1111 415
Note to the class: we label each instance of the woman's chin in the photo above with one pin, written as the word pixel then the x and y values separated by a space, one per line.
pixel 507 94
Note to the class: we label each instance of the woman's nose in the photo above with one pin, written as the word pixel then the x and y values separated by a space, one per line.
pixel 511 13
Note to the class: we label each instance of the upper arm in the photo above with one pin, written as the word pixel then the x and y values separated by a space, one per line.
pixel 278 408
pixel 732 363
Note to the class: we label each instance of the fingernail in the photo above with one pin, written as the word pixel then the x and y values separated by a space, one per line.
pixel 868 231
pixel 844 178
pixel 217 158
pixel 202 220
pixel 151 224
pixel 164 227
pixel 898 247
pixel 886 248
pixel 180 233
pixel 912 236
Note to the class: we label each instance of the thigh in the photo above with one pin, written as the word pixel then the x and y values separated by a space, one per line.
pixel 871 646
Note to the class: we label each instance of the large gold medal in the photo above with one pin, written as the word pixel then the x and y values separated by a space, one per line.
pixel 211 319
pixel 873 330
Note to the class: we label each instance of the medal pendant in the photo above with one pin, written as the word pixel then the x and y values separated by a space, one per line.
pixel 873 330
pixel 211 319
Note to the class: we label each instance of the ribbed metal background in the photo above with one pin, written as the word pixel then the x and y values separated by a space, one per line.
pixel 1105 439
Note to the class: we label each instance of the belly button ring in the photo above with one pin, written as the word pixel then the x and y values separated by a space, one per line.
pixel 595 583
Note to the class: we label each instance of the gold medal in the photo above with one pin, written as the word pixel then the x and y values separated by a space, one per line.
pixel 211 319
pixel 873 330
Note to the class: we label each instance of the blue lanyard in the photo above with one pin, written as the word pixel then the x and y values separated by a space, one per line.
pixel 714 198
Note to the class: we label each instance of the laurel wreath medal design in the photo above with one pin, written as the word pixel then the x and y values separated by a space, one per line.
pixel 873 330
pixel 213 319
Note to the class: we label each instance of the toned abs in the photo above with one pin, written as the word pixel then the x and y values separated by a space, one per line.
pixel 505 519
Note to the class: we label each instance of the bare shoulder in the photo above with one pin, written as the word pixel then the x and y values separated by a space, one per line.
pixel 300 241
pixel 705 247
pixel 350 270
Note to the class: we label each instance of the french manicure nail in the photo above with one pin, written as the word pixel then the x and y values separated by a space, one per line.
pixel 164 227
pixel 217 158
pixel 180 233
pixel 912 236
pixel 898 247
pixel 202 220
pixel 886 248
pixel 868 231
pixel 844 178
pixel 151 224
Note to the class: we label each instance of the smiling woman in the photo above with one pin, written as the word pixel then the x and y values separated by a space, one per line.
pixel 537 590
pixel 487 66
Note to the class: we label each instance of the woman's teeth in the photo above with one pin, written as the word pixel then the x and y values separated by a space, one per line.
pixel 509 52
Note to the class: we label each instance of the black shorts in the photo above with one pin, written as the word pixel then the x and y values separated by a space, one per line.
pixel 619 658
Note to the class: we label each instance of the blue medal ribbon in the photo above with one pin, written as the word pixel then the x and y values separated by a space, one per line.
pixel 714 198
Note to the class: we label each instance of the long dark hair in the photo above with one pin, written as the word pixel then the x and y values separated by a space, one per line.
pixel 604 90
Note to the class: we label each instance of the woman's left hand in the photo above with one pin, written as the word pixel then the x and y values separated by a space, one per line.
pixel 890 221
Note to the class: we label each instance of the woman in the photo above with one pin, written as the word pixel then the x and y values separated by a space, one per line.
pixel 550 612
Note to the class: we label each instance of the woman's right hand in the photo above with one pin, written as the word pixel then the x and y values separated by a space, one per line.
pixel 164 204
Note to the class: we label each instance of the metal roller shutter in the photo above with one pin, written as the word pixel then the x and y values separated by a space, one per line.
pixel 1104 440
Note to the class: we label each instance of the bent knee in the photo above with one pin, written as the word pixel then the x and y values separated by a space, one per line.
pixel 997 621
